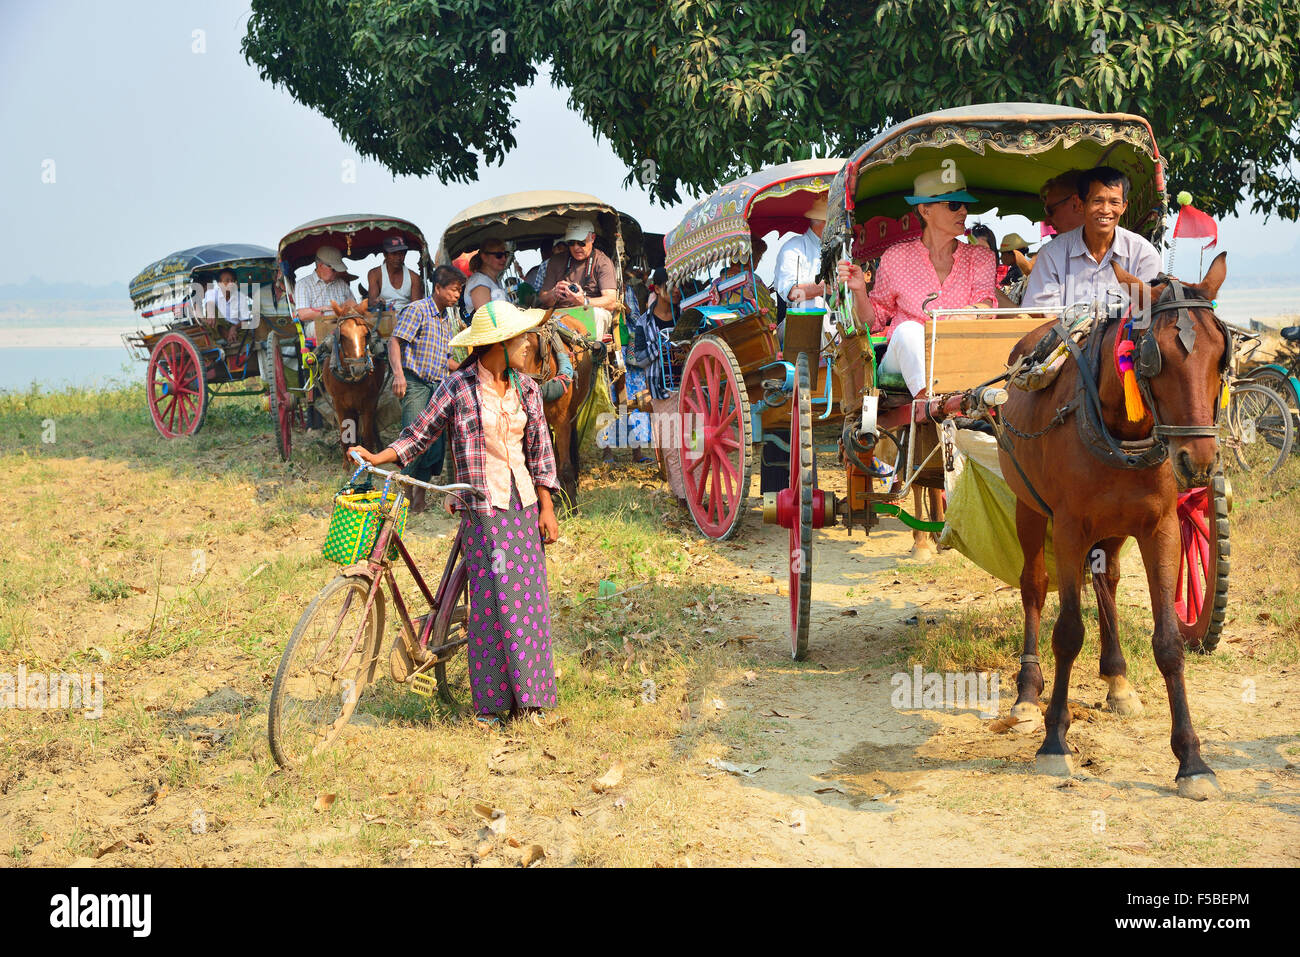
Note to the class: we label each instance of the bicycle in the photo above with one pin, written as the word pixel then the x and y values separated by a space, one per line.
pixel 1281 374
pixel 1260 432
pixel 333 653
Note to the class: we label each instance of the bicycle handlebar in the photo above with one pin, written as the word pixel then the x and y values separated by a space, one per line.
pixel 456 488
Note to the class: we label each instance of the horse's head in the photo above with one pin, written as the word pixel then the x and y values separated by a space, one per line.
pixel 1183 352
pixel 352 338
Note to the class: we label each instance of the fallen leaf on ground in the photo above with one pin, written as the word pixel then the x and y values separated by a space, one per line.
pixel 828 790
pixel 744 770
pixel 609 779
pixel 324 802
pixel 1003 724
pixel 109 849
pixel 531 855
pixel 494 816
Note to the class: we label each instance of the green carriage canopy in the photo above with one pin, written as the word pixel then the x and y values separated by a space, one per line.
pixel 1006 151
pixel 719 227
pixel 159 279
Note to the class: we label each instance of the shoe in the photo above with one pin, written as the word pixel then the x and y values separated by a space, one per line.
pixel 417 500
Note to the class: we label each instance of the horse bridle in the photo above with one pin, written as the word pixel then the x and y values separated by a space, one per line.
pixel 1148 360
pixel 353 369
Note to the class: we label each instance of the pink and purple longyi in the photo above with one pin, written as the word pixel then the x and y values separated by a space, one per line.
pixel 510 663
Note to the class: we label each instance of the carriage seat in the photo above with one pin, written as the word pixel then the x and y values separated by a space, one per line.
pixel 1291 333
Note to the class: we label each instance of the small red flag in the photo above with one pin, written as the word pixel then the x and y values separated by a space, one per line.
pixel 1194 224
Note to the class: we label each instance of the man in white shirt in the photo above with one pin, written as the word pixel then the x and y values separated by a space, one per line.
pixel 1077 266
pixel 328 283
pixel 797 264
pixel 226 301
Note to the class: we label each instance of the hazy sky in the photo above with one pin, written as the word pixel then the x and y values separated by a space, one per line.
pixel 153 147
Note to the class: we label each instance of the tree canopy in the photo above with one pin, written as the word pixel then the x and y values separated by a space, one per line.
pixel 691 93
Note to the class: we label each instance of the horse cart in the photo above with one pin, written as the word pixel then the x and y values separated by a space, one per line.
pixel 191 360
pixel 302 355
pixel 722 360
pixel 1006 152
pixel 532 222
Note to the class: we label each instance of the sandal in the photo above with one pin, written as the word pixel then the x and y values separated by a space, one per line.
pixel 487 723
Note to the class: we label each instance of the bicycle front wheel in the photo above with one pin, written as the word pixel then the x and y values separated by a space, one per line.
pixel 1260 428
pixel 322 676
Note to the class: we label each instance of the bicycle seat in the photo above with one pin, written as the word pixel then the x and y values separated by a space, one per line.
pixel 1291 333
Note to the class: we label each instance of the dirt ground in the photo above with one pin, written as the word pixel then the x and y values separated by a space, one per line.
pixel 742 758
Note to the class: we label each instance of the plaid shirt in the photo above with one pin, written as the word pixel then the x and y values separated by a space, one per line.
pixel 425 334
pixel 312 292
pixel 455 403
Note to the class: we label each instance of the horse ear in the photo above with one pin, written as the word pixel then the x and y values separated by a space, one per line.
pixel 1139 292
pixel 1214 278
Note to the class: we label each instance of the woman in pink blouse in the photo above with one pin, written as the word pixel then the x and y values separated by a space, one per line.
pixel 964 275
pixel 503 448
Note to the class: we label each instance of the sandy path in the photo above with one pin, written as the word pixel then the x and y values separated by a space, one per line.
pixel 849 779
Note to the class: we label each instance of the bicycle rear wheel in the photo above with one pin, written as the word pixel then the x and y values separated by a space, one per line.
pixel 1260 428
pixel 320 681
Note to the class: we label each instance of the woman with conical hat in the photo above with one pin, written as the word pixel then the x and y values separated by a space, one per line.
pixel 503 448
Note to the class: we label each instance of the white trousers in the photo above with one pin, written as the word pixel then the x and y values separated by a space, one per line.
pixel 905 354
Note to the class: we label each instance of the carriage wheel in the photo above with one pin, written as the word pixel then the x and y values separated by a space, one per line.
pixel 715 442
pixel 175 388
pixel 281 402
pixel 1201 595
pixel 803 479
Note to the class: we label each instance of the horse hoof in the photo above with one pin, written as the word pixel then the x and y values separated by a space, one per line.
pixel 1199 787
pixel 1057 765
pixel 1126 706
pixel 1028 718
pixel 923 551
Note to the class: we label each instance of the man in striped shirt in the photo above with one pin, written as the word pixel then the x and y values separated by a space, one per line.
pixel 419 353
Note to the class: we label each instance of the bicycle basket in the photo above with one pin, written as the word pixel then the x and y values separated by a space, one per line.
pixel 356 520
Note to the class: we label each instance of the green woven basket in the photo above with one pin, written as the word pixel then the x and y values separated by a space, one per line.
pixel 356 520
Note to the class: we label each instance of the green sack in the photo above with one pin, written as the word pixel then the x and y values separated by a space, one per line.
pixel 599 401
pixel 356 521
pixel 980 522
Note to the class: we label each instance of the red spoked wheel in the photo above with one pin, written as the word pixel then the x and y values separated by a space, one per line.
pixel 716 437
pixel 175 387
pixel 1201 594
pixel 803 480
pixel 281 400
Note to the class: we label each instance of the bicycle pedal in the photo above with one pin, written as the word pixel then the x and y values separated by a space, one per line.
pixel 424 685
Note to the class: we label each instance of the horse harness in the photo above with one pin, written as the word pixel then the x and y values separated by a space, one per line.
pixel 1147 364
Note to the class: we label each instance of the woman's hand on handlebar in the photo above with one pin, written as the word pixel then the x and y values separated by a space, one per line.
pixel 385 457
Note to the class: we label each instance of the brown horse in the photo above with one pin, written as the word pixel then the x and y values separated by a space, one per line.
pixel 535 353
pixel 1096 503
pixel 352 378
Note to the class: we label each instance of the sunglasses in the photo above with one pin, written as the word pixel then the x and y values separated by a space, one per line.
pixel 498 253
pixel 1049 209
pixel 576 242
pixel 955 204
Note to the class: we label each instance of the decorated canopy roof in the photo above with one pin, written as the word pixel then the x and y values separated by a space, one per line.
pixel 356 235
pixel 532 218
pixel 1006 152
pixel 160 278
pixel 720 227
